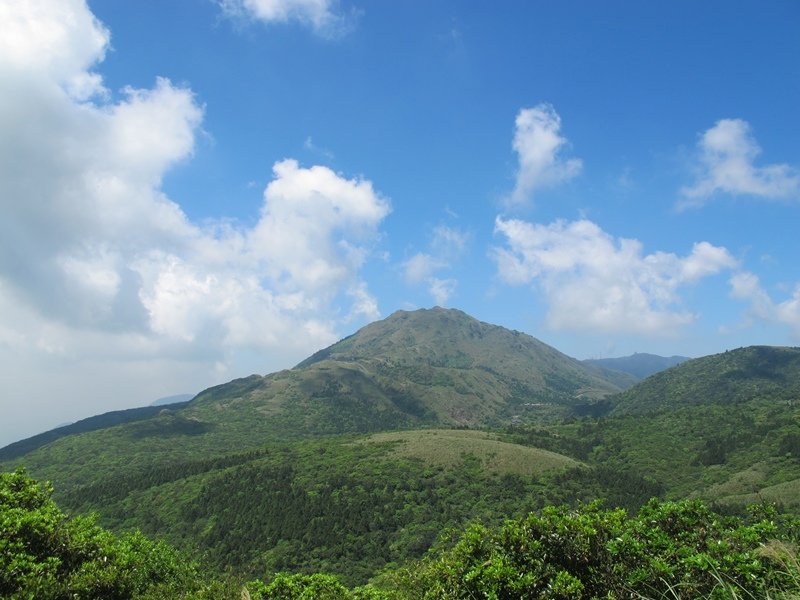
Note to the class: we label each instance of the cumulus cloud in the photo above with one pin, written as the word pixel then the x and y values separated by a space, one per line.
pixel 100 265
pixel 447 245
pixel 593 282
pixel 421 267
pixel 539 147
pixel 323 16
pixel 442 289
pixel 747 287
pixel 727 153
pixel 61 40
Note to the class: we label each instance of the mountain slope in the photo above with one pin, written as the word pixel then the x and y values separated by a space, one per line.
pixel 344 504
pixel 247 472
pixel 423 368
pixel 724 427
pixel 94 423
pixel 755 372
pixel 415 369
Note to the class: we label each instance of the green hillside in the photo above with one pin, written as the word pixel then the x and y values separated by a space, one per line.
pixel 756 372
pixel 668 550
pixel 94 423
pixel 448 448
pixel 427 368
pixel 724 427
pixel 349 505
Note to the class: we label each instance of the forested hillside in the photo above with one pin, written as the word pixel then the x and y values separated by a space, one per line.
pixel 667 550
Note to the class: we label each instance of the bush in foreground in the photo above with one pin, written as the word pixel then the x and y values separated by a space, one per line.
pixel 47 556
pixel 670 550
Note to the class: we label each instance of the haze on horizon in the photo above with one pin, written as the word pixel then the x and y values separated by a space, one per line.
pixel 196 191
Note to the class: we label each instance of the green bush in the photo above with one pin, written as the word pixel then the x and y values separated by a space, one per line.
pixel 47 556
pixel 671 549
pixel 318 586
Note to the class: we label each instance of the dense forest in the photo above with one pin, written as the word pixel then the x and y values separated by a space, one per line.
pixel 668 549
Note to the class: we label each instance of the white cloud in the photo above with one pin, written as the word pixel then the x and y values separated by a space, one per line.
pixel 442 289
pixel 449 242
pixel 746 286
pixel 61 40
pixel 100 270
pixel 421 267
pixel 539 145
pixel 323 16
pixel 727 155
pixel 447 245
pixel 593 282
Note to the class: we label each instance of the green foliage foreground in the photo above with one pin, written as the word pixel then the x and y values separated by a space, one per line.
pixel 672 549
pixel 669 550
pixel 45 555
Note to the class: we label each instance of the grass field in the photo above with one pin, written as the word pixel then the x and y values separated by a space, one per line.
pixel 449 448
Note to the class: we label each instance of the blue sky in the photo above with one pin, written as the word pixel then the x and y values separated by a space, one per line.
pixel 196 190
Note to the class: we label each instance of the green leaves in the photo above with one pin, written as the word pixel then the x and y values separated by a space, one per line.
pixel 46 555
pixel 678 548
pixel 318 586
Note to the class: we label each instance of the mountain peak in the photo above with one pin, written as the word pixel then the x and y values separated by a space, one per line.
pixel 443 337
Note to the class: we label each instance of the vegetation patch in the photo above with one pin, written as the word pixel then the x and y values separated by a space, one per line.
pixel 451 447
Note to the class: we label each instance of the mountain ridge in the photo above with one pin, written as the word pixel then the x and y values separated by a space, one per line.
pixel 733 376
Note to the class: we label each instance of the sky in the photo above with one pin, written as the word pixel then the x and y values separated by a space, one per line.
pixel 197 190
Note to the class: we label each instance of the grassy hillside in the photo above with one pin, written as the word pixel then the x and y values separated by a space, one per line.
pixel 449 448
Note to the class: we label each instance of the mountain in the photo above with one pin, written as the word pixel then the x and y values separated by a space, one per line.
pixel 103 421
pixel 732 377
pixel 422 368
pixel 425 368
pixel 267 472
pixel 723 427
pixel 640 364
pixel 167 400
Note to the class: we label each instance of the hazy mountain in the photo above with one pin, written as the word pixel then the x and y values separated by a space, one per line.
pixel 640 364
pixel 102 421
pixel 167 400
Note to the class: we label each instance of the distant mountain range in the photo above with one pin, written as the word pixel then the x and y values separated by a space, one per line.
pixel 640 364
pixel 177 398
